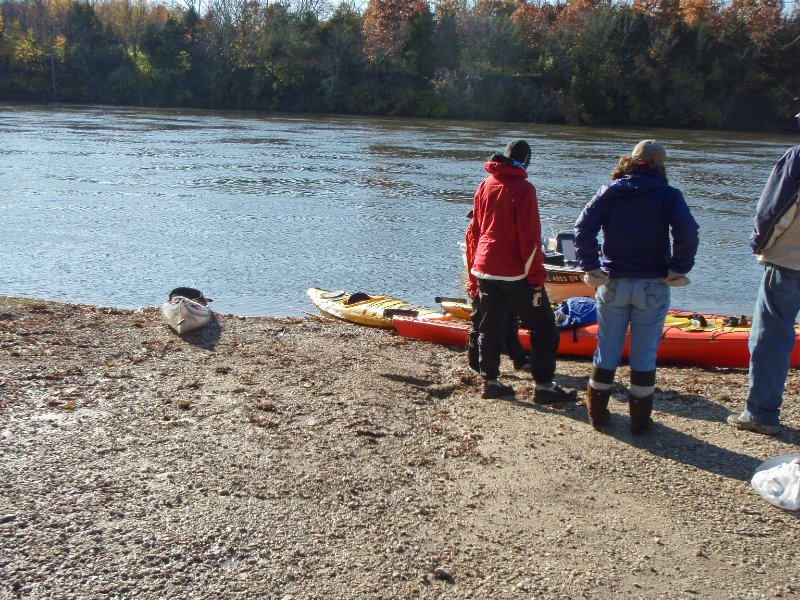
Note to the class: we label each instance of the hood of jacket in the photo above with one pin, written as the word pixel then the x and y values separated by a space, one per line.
pixel 643 181
pixel 500 166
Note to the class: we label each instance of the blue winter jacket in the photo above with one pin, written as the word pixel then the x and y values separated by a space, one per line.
pixel 636 213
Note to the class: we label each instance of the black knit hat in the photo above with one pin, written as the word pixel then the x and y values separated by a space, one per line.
pixel 518 150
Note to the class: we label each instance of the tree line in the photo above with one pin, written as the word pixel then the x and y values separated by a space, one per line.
pixel 676 63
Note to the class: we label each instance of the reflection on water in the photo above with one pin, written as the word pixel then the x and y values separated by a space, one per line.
pixel 118 206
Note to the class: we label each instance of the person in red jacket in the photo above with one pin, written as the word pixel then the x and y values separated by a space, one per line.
pixel 505 256
pixel 511 342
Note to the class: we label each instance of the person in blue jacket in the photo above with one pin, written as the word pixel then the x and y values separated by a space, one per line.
pixel 633 271
pixel 776 242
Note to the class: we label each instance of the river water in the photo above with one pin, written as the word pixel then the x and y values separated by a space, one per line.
pixel 116 206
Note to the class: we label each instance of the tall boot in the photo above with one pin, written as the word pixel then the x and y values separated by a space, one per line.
pixel 640 411
pixel 597 407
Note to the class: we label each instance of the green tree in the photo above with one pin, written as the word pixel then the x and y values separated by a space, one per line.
pixel 176 67
pixel 95 66
pixel 342 62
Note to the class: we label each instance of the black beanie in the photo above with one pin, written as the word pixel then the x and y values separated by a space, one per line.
pixel 518 150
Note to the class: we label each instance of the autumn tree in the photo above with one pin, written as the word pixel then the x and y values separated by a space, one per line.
pixel 494 8
pixel 128 19
pixel 576 10
pixel 23 59
pixel 761 17
pixel 385 25
pixel 663 11
pixel 696 12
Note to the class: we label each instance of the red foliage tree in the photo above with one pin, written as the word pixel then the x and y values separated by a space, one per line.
pixel 761 17
pixel 575 9
pixel 534 19
pixel 383 24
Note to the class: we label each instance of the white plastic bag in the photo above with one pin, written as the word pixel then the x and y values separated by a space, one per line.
pixel 779 484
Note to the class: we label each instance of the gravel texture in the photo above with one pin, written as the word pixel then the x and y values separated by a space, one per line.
pixel 307 458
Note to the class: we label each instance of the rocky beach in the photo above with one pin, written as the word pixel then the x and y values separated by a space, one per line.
pixel 307 458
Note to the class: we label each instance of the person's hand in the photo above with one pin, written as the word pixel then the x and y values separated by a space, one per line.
pixel 595 278
pixel 674 279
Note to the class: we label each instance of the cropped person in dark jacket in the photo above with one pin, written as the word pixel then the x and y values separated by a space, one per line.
pixel 633 273
pixel 776 242
pixel 505 247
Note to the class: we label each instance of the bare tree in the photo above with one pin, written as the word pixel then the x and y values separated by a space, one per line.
pixel 199 6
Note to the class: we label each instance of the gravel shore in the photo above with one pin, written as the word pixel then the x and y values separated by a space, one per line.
pixel 309 458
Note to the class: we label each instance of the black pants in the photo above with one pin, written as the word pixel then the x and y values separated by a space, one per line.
pixel 496 299
pixel 511 342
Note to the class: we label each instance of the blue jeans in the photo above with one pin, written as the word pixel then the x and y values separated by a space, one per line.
pixel 771 341
pixel 642 303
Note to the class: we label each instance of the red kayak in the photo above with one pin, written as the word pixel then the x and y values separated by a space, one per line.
pixel 684 341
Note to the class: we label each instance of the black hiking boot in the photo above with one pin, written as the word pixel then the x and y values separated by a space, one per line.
pixel 494 389
pixel 554 395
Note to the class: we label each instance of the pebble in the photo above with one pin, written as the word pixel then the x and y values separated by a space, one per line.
pixel 442 573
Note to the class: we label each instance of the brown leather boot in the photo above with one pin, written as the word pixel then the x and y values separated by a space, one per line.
pixel 597 407
pixel 640 410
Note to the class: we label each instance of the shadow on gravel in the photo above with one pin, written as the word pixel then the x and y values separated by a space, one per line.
pixel 690 407
pixel 205 337
pixel 407 379
pixel 701 409
pixel 664 441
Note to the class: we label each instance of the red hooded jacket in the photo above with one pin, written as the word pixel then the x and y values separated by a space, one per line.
pixel 504 238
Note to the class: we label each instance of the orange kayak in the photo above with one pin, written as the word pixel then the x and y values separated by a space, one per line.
pixel 684 341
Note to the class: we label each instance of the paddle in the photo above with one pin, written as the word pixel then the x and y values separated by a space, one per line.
pixel 440 299
pixel 399 312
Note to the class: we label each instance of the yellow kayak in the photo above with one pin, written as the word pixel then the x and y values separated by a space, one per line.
pixel 364 309
pixel 459 308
